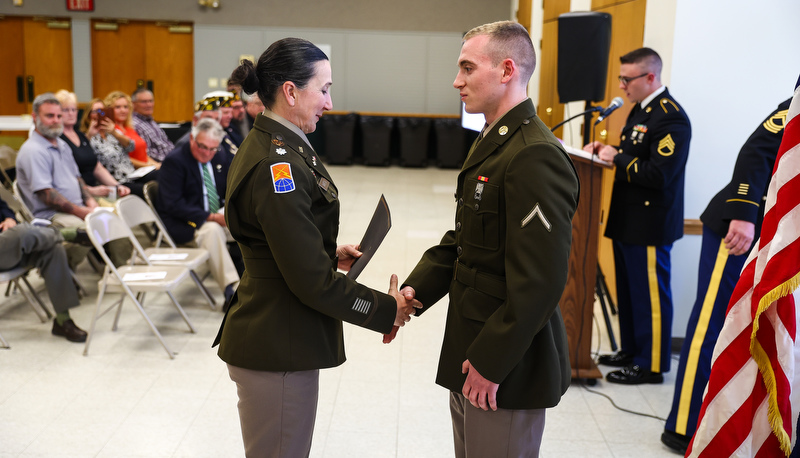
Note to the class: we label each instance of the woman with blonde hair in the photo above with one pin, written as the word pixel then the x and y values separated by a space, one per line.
pixel 97 178
pixel 112 147
pixel 119 103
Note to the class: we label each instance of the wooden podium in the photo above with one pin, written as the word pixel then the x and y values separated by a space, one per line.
pixel 577 302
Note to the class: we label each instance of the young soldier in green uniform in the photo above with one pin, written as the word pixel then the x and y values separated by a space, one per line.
pixel 504 356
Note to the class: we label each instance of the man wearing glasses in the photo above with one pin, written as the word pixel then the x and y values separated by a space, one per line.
pixel 191 196
pixel 645 217
pixel 158 145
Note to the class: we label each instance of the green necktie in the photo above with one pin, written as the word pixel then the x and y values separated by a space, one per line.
pixel 211 190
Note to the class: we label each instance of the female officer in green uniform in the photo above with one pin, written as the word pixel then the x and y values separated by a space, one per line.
pixel 285 321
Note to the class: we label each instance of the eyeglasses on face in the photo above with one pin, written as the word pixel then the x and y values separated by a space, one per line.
pixel 625 80
pixel 207 148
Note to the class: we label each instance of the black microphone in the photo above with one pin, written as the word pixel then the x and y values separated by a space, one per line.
pixel 616 103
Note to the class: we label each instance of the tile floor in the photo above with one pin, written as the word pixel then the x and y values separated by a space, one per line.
pixel 128 399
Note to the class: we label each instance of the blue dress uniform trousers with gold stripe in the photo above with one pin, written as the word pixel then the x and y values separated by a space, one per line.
pixel 719 271
pixel 645 218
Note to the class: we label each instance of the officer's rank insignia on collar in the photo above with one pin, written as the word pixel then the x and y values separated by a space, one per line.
pixel 666 146
pixel 537 212
pixel 280 151
pixel 776 122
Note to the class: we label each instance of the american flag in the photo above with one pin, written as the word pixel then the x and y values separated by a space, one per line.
pixel 747 409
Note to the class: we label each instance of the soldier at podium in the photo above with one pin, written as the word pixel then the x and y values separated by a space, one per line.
pixel 645 217
pixel 731 221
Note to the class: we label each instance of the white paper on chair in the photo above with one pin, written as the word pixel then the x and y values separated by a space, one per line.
pixel 141 276
pixel 168 256
pixel 141 171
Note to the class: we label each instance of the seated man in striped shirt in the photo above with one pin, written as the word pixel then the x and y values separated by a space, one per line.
pixel 158 145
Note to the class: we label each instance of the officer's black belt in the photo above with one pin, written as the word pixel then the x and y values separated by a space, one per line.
pixel 493 285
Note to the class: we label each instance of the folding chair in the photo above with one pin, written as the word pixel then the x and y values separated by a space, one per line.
pixel 105 226
pixel 27 215
pixel 134 211
pixel 14 276
pixel 150 191
pixel 24 209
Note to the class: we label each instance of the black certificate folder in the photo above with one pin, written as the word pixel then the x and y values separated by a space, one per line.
pixel 376 231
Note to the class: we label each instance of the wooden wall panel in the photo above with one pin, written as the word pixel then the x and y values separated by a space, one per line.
pixel 550 111
pixel 554 8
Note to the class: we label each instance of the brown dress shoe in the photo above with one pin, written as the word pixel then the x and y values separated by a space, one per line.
pixel 69 331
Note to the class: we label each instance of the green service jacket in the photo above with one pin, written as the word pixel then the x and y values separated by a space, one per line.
pixel 505 264
pixel 283 210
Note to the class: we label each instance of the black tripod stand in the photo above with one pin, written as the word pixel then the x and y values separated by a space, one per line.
pixel 601 291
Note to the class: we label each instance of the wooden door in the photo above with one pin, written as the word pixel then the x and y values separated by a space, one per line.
pixel 127 55
pixel 48 55
pixel 37 57
pixel 12 78
pixel 170 70
pixel 118 56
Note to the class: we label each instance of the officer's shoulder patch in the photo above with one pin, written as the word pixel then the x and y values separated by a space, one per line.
pixel 668 105
pixel 282 179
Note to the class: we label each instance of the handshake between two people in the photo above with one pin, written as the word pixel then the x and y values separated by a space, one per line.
pixel 407 305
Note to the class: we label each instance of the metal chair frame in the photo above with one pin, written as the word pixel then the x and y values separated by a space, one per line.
pixel 104 226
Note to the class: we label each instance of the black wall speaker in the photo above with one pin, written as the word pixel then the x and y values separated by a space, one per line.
pixel 584 39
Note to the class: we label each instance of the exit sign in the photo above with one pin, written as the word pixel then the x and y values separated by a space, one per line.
pixel 80 5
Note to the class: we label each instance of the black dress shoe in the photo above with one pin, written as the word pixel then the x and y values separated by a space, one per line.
pixel 675 441
pixel 618 359
pixel 69 331
pixel 634 375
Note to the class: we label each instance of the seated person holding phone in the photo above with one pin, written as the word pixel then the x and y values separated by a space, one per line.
pixel 112 147
pixel 98 181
